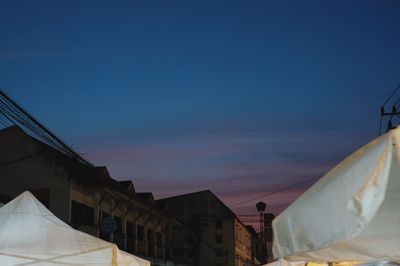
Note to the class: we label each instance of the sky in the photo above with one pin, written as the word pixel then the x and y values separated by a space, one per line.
pixel 244 98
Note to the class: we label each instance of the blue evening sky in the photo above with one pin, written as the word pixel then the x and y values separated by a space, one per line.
pixel 240 97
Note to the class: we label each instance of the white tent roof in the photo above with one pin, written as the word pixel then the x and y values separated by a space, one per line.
pixel 351 214
pixel 31 235
pixel 283 262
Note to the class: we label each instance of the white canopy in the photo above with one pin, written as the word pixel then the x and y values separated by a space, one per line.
pixel 31 235
pixel 283 262
pixel 351 214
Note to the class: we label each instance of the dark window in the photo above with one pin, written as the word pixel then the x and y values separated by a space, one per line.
pixel 130 228
pixel 104 215
pixel 218 224
pixel 159 239
pixel 167 253
pixel 81 214
pixel 190 253
pixel 218 239
pixel 150 242
pixel 219 253
pixel 118 237
pixel 130 236
pixel 140 232
pixel 103 235
pixel 150 236
pixel 179 252
pixel 118 221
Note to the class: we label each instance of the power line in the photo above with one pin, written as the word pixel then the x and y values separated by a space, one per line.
pixel 274 192
pixel 393 111
pixel 12 111
pixel 391 95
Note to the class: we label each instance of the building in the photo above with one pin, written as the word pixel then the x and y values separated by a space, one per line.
pixel 258 251
pixel 84 196
pixel 268 234
pixel 212 235
pixel 4 200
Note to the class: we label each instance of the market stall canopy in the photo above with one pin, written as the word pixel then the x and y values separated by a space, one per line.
pixel 283 262
pixel 351 214
pixel 31 235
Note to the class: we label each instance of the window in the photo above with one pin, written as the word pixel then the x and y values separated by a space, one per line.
pixel 104 215
pixel 130 228
pixel 218 239
pixel 118 221
pixel 168 253
pixel 150 243
pixel 190 253
pixel 150 236
pixel 118 237
pixel 140 232
pixel 103 235
pixel 219 253
pixel 81 214
pixel 130 236
pixel 179 252
pixel 159 239
pixel 218 224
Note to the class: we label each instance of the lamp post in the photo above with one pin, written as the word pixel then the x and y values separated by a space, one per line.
pixel 261 208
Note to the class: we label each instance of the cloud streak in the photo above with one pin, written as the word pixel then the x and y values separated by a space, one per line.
pixel 235 165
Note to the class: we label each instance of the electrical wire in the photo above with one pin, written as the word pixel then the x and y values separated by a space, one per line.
pixel 395 106
pixel 391 95
pixel 274 192
pixel 32 126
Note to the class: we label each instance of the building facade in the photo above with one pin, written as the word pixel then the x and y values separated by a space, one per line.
pixel 268 234
pixel 86 197
pixel 258 250
pixel 212 235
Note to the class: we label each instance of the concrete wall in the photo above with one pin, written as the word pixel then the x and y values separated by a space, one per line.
pixel 25 167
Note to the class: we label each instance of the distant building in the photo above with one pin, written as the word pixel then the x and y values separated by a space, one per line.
pixel 268 234
pixel 258 250
pixel 85 197
pixel 213 235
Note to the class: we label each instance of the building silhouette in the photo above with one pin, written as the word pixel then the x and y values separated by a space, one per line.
pixel 86 197
pixel 212 235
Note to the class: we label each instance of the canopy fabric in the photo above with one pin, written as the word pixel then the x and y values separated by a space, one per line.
pixel 351 214
pixel 283 262
pixel 31 235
